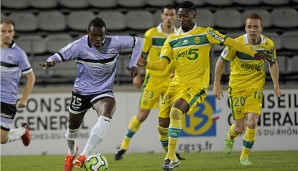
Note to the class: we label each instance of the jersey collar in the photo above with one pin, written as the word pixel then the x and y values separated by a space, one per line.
pixel 12 44
pixel 89 43
pixel 181 31
pixel 263 40
pixel 159 29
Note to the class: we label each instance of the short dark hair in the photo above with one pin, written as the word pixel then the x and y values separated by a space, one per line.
pixel 169 6
pixel 7 21
pixel 96 22
pixel 257 17
pixel 188 5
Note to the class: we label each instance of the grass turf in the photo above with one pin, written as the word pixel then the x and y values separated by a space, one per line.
pixel 206 161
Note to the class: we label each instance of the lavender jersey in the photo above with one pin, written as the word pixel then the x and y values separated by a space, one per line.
pixel 96 68
pixel 14 62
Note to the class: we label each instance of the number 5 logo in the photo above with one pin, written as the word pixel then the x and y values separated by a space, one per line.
pixel 193 54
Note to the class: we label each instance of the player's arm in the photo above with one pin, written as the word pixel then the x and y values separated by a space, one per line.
pixel 30 81
pixel 161 64
pixel 136 53
pixel 219 68
pixel 274 72
pixel 217 38
pixel 238 46
pixel 137 80
pixel 67 53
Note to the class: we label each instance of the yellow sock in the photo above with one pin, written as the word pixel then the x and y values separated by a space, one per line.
pixel 174 132
pixel 248 141
pixel 133 127
pixel 164 137
pixel 232 134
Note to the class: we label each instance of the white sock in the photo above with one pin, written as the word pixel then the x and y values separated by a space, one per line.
pixel 15 134
pixel 97 134
pixel 71 136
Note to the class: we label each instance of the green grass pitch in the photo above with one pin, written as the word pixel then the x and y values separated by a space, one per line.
pixel 205 161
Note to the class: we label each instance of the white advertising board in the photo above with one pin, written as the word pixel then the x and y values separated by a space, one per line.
pixel 205 130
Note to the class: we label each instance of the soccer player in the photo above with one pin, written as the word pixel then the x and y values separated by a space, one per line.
pixel 189 51
pixel 96 56
pixel 155 83
pixel 247 79
pixel 14 62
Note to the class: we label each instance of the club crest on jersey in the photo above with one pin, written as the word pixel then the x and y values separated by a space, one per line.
pixel 10 58
pixel 197 40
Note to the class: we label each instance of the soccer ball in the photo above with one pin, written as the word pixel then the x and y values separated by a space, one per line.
pixel 96 162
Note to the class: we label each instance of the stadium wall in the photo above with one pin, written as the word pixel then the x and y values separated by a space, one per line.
pixel 204 132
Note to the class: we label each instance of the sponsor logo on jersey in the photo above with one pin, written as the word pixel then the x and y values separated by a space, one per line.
pixel 216 36
pixel 185 42
pixel 182 54
pixel 252 66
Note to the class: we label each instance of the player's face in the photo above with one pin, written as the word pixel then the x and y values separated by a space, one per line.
pixel 97 36
pixel 253 29
pixel 168 17
pixel 186 18
pixel 7 33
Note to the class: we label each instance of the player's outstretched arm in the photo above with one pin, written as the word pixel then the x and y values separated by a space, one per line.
pixel 244 49
pixel 159 65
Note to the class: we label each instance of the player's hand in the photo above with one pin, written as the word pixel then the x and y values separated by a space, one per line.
pixel 142 62
pixel 262 56
pixel 133 71
pixel 137 81
pixel 217 91
pixel 277 91
pixel 21 103
pixel 48 64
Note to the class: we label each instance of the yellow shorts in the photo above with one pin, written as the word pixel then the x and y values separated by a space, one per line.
pixel 247 101
pixel 154 89
pixel 191 94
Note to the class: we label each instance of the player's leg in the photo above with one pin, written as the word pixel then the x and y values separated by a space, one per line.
pixel 72 132
pixel 237 103
pixel 133 127
pixel 13 134
pixel 253 106
pixel 7 134
pixel 163 129
pixel 176 113
pixel 249 138
pixel 234 131
pixel 153 88
pixel 77 110
pixel 105 108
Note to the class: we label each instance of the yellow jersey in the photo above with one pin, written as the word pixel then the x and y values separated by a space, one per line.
pixel 190 54
pixel 247 72
pixel 153 41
